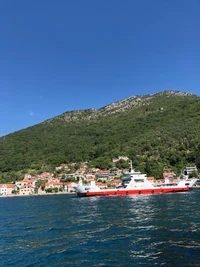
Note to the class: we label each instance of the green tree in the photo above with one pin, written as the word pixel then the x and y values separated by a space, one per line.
pixel 147 167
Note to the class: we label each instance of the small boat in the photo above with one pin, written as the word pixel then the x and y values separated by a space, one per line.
pixel 134 183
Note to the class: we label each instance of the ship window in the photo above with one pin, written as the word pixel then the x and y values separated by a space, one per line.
pixel 87 188
pixel 139 180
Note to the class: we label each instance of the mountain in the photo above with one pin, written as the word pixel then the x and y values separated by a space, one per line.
pixel 155 131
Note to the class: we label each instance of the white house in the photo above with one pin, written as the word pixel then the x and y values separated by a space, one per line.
pixel 6 189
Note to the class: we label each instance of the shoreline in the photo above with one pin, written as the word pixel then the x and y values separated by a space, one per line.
pixel 33 195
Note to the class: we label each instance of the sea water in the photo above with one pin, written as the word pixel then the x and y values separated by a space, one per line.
pixel 65 230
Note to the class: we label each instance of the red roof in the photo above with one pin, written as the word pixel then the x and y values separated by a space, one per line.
pixel 116 181
pixel 151 178
pixel 8 185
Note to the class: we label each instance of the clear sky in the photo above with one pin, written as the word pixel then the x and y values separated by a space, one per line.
pixel 63 55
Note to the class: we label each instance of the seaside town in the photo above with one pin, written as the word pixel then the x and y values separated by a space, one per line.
pixel 65 180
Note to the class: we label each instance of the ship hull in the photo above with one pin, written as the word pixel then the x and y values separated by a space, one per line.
pixel 115 192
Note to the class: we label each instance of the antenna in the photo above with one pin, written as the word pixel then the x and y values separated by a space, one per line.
pixel 131 165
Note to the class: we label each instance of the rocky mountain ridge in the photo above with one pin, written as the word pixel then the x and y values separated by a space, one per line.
pixel 116 107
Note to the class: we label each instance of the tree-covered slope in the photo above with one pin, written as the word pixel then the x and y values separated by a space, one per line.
pixel 154 130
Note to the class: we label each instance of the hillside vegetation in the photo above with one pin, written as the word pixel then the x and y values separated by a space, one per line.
pixel 155 131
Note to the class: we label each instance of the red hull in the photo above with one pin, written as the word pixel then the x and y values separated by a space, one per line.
pixel 133 192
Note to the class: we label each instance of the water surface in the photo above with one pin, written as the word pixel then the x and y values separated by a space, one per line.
pixel 64 230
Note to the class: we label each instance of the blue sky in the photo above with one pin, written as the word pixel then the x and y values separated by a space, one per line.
pixel 63 55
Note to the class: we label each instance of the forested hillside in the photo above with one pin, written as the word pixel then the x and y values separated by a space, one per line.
pixel 155 131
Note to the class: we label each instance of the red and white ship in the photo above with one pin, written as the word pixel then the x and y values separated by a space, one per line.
pixel 133 184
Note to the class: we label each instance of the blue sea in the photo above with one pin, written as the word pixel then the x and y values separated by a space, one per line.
pixel 64 230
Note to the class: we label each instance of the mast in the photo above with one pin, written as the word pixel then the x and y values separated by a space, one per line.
pixel 131 166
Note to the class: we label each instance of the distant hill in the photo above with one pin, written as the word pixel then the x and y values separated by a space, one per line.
pixel 155 131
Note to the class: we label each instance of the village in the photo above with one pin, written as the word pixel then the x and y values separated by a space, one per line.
pixel 47 183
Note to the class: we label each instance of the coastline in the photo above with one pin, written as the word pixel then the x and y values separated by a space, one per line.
pixel 33 195
pixel 59 193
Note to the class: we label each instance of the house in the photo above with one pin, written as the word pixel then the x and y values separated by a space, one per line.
pixel 81 170
pixel 62 166
pixel 125 158
pixel 53 184
pixel 92 170
pixel 27 176
pixel 20 183
pixel 45 176
pixel 26 186
pixel 115 182
pixel 101 185
pixel 168 174
pixel 6 189
pixel 189 170
pixel 26 189
pixel 25 181
pixel 151 179
pixel 159 181
pixel 29 181
pixel 104 175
